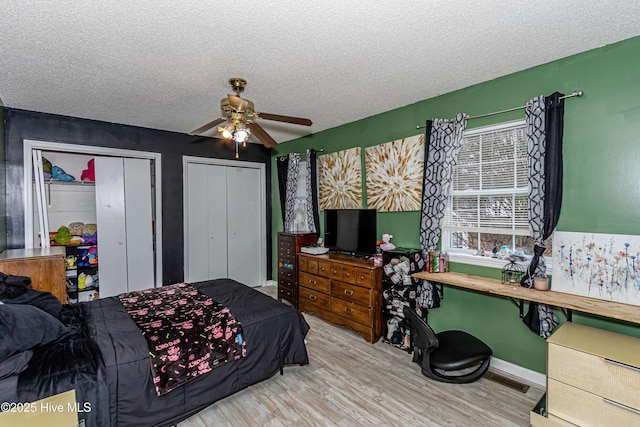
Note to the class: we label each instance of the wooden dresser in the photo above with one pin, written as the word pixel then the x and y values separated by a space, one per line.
pixel 343 290
pixel 289 245
pixel 45 267
pixel 593 377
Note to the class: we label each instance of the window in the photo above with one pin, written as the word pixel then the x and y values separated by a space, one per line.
pixel 487 205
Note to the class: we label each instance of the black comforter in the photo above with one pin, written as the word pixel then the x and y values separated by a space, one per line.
pixel 107 359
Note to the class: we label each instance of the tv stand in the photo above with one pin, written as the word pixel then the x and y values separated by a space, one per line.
pixel 343 289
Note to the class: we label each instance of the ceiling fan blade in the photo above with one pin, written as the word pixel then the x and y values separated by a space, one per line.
pixel 262 135
pixel 208 126
pixel 286 119
pixel 238 103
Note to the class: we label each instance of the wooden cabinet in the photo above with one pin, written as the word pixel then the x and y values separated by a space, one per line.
pixel 289 246
pixel 344 290
pixel 45 267
pixel 593 377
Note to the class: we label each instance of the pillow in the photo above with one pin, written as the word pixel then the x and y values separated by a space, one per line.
pixel 43 300
pixel 15 364
pixel 23 327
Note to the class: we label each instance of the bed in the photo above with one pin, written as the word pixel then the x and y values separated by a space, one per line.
pixel 105 358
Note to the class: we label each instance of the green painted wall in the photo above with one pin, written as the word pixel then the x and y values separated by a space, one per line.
pixel 601 174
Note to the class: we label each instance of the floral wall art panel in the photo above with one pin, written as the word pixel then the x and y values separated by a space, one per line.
pixel 341 179
pixel 394 175
pixel 604 266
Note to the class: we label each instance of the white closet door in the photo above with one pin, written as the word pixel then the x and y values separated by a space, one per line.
pixel 206 214
pixel 218 262
pixel 139 224
pixel 244 225
pixel 124 218
pixel 110 215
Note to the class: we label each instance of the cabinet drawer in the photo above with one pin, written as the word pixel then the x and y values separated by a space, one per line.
pixel 285 293
pixel 302 263
pixel 324 268
pixel 286 274
pixel 348 274
pixel 320 284
pixel 312 266
pixel 285 283
pixel 598 375
pixel 356 312
pixel 578 406
pixel 310 300
pixel 349 292
pixel 363 277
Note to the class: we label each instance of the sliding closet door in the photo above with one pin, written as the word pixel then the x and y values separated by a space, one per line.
pixel 206 218
pixel 112 231
pixel 244 225
pixel 125 229
pixel 139 224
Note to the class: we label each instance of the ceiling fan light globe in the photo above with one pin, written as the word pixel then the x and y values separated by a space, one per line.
pixel 226 134
pixel 240 136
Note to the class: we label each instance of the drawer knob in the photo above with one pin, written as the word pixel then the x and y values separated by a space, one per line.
pixel 348 292
pixel 361 277
pixel 347 274
pixel 313 297
pixel 348 310
pixel 313 282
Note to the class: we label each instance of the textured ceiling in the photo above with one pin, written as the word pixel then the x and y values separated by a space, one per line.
pixel 165 64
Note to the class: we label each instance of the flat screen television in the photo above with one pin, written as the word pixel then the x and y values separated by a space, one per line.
pixel 351 230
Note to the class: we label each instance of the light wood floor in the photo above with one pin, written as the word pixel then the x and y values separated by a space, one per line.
pixel 349 382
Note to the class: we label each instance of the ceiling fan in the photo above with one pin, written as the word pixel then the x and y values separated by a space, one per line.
pixel 240 115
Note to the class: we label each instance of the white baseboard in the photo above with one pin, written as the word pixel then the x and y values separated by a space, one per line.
pixel 271 283
pixel 519 371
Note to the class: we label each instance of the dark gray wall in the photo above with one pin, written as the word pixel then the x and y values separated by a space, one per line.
pixel 21 125
pixel 3 184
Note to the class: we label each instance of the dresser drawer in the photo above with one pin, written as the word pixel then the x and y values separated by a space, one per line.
pixel 286 274
pixel 312 266
pixel 356 312
pixel 363 277
pixel 576 406
pixel 324 268
pixel 303 263
pixel 320 284
pixel 615 381
pixel 349 292
pixel 285 283
pixel 286 293
pixel 309 300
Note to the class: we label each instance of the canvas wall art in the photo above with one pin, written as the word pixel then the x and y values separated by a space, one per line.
pixel 604 266
pixel 394 175
pixel 340 179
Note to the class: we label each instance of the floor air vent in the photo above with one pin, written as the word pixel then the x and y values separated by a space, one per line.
pixel 507 382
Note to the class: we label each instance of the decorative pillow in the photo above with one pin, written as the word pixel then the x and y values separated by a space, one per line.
pixel 23 327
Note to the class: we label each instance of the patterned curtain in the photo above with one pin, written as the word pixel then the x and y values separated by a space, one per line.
pixel 313 215
pixel 291 188
pixel 545 123
pixel 283 169
pixel 441 153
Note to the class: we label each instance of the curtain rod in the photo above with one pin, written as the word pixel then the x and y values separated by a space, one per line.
pixel 281 158
pixel 571 95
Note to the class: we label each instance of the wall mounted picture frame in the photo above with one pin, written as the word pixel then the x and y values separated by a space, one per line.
pixel 340 179
pixel 603 266
pixel 394 173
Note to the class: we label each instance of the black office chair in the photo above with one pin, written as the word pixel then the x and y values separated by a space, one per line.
pixel 447 352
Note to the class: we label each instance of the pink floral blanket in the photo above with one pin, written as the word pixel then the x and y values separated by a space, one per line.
pixel 188 333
